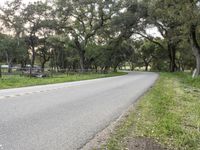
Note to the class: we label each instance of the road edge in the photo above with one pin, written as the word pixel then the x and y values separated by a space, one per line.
pixel 103 136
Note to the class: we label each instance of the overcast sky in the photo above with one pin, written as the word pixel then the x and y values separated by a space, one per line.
pixel 25 1
pixel 2 2
pixel 152 31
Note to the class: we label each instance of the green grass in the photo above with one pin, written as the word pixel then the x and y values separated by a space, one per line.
pixel 169 113
pixel 186 79
pixel 22 81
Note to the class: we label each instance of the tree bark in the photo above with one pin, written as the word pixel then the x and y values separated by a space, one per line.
pixel 146 63
pixel 32 61
pixel 0 72
pixel 33 57
pixel 106 69
pixel 195 47
pixel 8 60
pixel 81 52
pixel 44 61
pixel 115 69
pixel 42 66
pixel 146 67
pixel 82 60
pixel 172 57
pixel 10 67
pixel 132 66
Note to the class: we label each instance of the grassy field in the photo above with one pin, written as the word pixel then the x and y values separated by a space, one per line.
pixel 22 81
pixel 168 115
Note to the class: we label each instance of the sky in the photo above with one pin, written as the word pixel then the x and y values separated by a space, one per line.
pixel 25 1
pixel 153 31
pixel 2 2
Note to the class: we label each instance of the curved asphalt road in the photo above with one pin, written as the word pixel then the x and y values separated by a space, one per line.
pixel 66 116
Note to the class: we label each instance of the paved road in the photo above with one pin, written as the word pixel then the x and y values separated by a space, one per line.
pixel 65 116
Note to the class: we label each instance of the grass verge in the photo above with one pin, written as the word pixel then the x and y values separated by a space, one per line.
pixel 168 114
pixel 21 81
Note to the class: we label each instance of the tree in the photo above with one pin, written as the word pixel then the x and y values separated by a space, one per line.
pixel 146 53
pixel 93 34
pixel 44 45
pixel 35 15
pixel 11 17
pixel 12 49
pixel 191 16
pixel 13 24
pixel 185 57
pixel 117 33
pixel 86 18
pixel 163 14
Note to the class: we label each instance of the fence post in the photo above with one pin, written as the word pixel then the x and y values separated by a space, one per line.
pixel 0 72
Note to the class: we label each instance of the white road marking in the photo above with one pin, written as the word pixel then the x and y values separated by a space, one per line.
pixel 47 90
pixel 34 92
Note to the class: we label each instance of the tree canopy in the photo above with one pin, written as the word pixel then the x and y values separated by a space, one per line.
pixel 101 35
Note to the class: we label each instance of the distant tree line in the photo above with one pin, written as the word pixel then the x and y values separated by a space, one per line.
pixel 101 34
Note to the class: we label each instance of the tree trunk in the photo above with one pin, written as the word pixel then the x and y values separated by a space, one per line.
pixel 96 68
pixel 33 57
pixel 115 69
pixel 195 48
pixel 82 60
pixel 197 56
pixel 22 64
pixel 81 51
pixel 0 72
pixel 42 66
pixel 173 65
pixel 32 60
pixel 43 62
pixel 146 67
pixel 132 66
pixel 146 63
pixel 8 60
pixel 106 69
pixel 9 68
pixel 172 57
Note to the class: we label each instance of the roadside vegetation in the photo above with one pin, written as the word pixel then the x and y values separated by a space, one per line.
pixel 168 116
pixel 100 35
pixel 23 81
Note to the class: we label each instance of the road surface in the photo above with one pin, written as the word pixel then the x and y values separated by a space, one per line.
pixel 66 116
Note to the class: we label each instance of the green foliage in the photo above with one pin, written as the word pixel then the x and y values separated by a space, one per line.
pixel 90 34
pixel 12 49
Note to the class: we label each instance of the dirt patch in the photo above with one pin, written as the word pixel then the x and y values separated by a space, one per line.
pixel 142 144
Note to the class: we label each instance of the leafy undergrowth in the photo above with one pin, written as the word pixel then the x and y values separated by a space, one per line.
pixel 22 81
pixel 169 114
